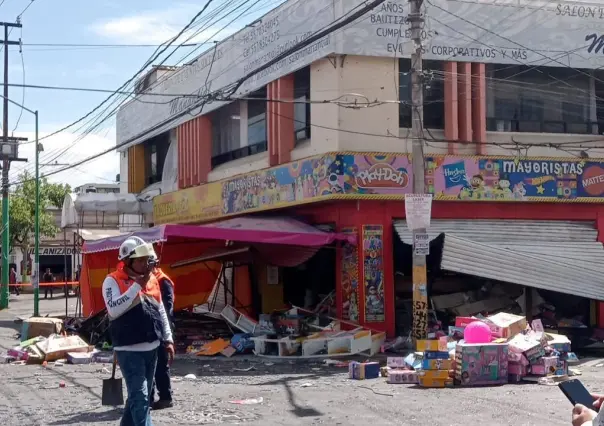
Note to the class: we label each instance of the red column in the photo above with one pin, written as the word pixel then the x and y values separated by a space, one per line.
pixel 194 151
pixel 479 108
pixel 464 70
pixel 281 122
pixel 451 119
pixel 271 124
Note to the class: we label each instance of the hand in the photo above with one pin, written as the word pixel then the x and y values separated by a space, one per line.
pixel 598 400
pixel 582 415
pixel 170 350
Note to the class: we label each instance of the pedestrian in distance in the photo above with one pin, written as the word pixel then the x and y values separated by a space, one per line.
pixel 138 325
pixel 48 277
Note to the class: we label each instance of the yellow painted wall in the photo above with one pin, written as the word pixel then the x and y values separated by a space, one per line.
pixel 136 168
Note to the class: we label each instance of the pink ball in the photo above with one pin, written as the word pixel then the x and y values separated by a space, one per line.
pixel 477 332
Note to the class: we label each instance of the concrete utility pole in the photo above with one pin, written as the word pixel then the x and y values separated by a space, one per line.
pixel 8 154
pixel 420 275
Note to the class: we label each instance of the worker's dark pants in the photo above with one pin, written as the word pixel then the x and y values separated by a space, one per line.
pixel 162 376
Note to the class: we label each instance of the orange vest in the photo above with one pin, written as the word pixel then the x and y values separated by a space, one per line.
pixel 124 282
pixel 160 275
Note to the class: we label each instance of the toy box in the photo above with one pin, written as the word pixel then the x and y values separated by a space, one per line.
pixel 437 364
pixel 481 364
pixel 559 342
pixel 531 348
pixel 463 322
pixel 439 345
pixel 395 362
pixel 436 355
pixel 365 370
pixel 402 377
pixel 434 383
pixel 516 368
pixel 433 374
pixel 561 368
pixel 506 325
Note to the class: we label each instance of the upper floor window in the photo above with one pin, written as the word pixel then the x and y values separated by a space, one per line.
pixel 226 135
pixel 538 99
pixel 434 109
pixel 155 150
pixel 256 118
pixel 302 105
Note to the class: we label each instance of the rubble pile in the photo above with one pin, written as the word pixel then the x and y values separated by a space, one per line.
pixel 510 351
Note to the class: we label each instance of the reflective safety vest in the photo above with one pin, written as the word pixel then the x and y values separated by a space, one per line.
pixel 142 323
pixel 160 275
pixel 124 282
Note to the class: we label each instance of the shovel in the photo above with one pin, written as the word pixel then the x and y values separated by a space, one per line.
pixel 113 394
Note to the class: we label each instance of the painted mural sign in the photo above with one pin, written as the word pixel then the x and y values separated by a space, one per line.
pixel 359 176
pixel 350 279
pixel 373 273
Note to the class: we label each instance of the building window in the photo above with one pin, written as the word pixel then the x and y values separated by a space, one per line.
pixel 226 136
pixel 226 130
pixel 538 100
pixel 156 150
pixel 434 107
pixel 256 118
pixel 302 105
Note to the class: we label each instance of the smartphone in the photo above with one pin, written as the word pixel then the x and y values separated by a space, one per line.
pixel 577 393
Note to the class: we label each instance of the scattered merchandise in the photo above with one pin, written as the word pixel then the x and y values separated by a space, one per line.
pixel 363 370
pixel 37 327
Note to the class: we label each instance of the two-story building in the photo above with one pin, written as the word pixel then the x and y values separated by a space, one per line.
pixel 513 119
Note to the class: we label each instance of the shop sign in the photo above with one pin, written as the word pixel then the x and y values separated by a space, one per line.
pixel 197 204
pixel 386 176
pixel 53 251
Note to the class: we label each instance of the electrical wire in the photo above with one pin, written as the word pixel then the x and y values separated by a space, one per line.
pixel 23 90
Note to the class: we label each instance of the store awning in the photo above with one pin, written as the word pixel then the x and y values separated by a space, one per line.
pixel 97 234
pixel 261 230
pixel 551 255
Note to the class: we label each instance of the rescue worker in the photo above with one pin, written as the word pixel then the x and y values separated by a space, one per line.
pixel 138 325
pixel 162 372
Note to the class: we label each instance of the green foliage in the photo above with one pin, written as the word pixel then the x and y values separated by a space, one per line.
pixel 23 204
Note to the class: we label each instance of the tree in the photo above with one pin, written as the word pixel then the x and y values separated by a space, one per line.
pixel 23 206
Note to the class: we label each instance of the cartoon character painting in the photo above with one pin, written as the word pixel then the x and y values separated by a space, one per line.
pixel 353 307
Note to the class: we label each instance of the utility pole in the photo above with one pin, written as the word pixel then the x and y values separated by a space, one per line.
pixel 8 153
pixel 420 275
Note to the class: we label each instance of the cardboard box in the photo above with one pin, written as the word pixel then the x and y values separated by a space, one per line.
pixel 430 383
pixel 434 374
pixel 516 368
pixel 462 322
pixel 79 357
pixel 506 325
pixel 558 342
pixel 40 326
pixel 436 355
pixel 395 362
pixel 402 377
pixel 531 348
pixel 481 364
pixel 362 371
pixel 57 347
pixel 439 345
pixel 437 364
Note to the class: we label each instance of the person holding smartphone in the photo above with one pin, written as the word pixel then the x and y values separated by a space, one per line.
pixel 586 416
pixel 138 325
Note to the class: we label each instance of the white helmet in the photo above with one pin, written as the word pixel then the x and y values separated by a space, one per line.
pixel 134 247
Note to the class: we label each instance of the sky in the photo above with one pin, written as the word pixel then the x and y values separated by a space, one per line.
pixel 131 22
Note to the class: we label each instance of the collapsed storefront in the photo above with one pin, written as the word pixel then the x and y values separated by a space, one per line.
pixel 248 262
pixel 492 220
pixel 479 266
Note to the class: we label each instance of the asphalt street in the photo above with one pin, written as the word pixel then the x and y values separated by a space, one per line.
pixel 281 393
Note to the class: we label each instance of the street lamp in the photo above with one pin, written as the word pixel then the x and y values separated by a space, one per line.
pixel 35 273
